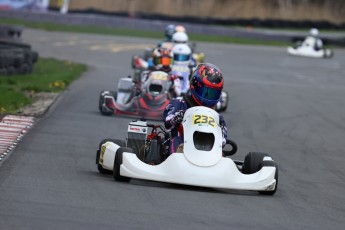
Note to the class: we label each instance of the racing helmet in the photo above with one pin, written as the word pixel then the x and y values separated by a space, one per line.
pixel 314 32
pixel 180 37
pixel 180 28
pixel 155 88
pixel 182 53
pixel 162 59
pixel 155 83
pixel 169 31
pixel 206 84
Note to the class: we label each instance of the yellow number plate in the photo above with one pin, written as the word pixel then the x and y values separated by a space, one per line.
pixel 159 76
pixel 203 119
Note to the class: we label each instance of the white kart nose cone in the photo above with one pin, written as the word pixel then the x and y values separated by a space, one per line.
pixel 202 136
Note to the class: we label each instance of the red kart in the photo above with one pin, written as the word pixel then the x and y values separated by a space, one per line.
pixel 145 99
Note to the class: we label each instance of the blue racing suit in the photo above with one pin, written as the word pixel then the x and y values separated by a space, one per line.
pixel 172 110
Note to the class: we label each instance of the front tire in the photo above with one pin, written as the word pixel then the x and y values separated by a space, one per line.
pixel 100 168
pixel 226 101
pixel 253 162
pixel 117 164
pixel 101 102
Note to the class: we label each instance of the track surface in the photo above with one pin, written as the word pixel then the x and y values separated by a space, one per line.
pixel 293 108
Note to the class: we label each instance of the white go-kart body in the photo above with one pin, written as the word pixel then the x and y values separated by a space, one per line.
pixel 306 49
pixel 201 163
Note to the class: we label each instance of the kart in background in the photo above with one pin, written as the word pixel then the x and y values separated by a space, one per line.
pixel 304 49
pixel 146 98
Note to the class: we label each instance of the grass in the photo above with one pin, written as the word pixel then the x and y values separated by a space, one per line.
pixel 134 33
pixel 81 29
pixel 49 75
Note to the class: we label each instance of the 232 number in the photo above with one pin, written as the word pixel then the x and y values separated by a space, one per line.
pixel 203 119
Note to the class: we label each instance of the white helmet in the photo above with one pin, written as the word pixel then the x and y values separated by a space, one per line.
pixel 180 37
pixel 180 28
pixel 314 32
pixel 182 53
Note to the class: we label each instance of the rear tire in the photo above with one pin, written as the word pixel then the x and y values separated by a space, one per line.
pixel 121 143
pixel 329 54
pixel 253 162
pixel 117 164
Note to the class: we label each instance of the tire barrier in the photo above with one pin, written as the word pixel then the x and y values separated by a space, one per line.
pixel 15 57
pixel 12 130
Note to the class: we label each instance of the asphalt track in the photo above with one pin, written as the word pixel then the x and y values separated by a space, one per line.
pixel 290 107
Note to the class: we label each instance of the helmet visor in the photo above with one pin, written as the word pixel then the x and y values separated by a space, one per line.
pixel 181 57
pixel 165 61
pixel 207 92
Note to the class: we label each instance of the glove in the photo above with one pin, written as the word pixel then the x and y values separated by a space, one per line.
pixel 178 118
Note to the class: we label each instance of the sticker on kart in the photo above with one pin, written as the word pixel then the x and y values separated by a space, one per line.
pixel 103 148
pixel 203 120
pixel 159 76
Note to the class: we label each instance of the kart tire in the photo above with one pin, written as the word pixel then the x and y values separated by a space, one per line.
pixel 233 148
pixel 227 102
pixel 147 54
pixel 11 70
pixel 23 68
pixel 100 107
pixel 328 53
pixel 35 56
pixel 117 163
pixel 253 162
pixel 272 163
pixel 133 62
pixel 121 143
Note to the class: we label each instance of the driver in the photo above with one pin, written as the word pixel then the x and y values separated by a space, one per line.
pixel 160 60
pixel 206 86
pixel 313 39
pixel 168 33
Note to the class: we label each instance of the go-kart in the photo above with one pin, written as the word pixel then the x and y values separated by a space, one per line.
pixel 200 161
pixel 306 50
pixel 144 99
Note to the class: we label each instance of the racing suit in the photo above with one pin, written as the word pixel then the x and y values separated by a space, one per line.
pixel 172 110
pixel 313 41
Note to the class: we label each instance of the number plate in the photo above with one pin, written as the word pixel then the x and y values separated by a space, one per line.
pixel 203 120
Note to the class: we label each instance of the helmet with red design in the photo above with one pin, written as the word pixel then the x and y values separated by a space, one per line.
pixel 206 84
pixel 162 59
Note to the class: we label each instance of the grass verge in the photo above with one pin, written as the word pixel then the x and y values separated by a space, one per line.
pixel 49 75
pixel 134 33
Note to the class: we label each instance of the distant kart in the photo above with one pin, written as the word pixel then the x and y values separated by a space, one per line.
pixel 201 160
pixel 308 51
pixel 146 99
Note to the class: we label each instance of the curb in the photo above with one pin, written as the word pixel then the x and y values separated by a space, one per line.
pixel 12 130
